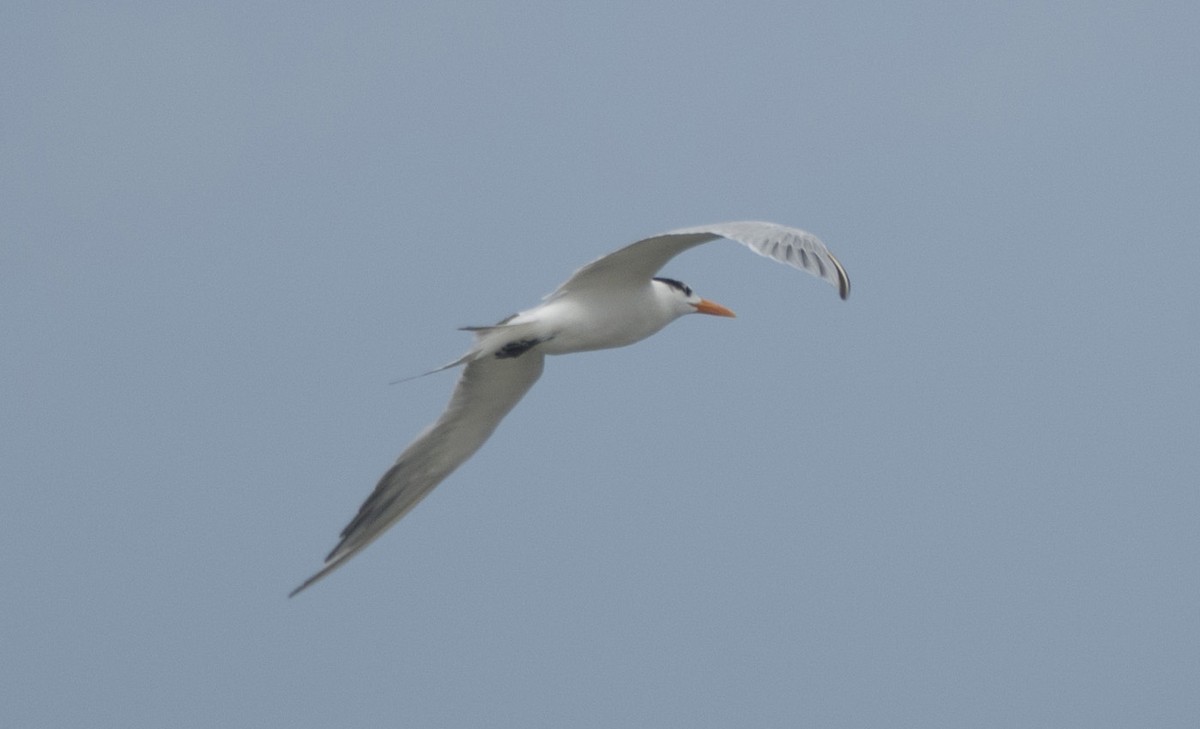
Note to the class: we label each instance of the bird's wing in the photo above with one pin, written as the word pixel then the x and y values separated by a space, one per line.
pixel 633 264
pixel 487 389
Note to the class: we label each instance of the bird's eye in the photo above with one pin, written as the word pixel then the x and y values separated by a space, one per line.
pixel 677 285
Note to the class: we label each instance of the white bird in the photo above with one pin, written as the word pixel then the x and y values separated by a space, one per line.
pixel 611 302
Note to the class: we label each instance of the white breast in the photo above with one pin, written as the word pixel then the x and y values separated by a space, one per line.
pixel 579 322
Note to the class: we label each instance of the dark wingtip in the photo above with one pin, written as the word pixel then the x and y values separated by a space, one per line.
pixel 308 583
pixel 843 279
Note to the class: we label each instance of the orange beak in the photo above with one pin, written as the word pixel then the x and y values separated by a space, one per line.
pixel 710 307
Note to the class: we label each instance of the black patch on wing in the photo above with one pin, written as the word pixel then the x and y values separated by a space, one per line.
pixel 517 347
pixel 677 285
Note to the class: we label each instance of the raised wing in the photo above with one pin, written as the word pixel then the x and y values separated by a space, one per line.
pixel 637 262
pixel 486 391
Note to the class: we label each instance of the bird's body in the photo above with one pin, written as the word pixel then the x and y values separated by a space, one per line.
pixel 588 320
pixel 613 301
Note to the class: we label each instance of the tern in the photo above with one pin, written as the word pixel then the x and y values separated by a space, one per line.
pixel 613 301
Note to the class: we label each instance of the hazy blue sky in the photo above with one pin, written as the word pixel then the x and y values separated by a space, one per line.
pixel 966 497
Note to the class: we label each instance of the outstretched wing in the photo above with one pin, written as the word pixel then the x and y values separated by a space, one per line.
pixel 486 391
pixel 633 264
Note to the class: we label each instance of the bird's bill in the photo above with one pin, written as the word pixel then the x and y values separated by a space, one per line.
pixel 711 307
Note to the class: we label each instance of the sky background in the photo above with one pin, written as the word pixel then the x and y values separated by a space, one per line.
pixel 968 496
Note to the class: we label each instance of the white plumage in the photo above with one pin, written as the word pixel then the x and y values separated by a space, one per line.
pixel 611 302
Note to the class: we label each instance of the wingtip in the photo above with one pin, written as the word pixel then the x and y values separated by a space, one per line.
pixel 329 567
pixel 304 585
pixel 843 281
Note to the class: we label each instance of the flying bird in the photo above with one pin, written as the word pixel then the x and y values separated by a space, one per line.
pixel 613 301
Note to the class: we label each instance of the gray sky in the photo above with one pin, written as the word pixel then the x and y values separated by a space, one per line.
pixel 966 497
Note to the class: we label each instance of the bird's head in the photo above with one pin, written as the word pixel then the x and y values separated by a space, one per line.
pixel 684 301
